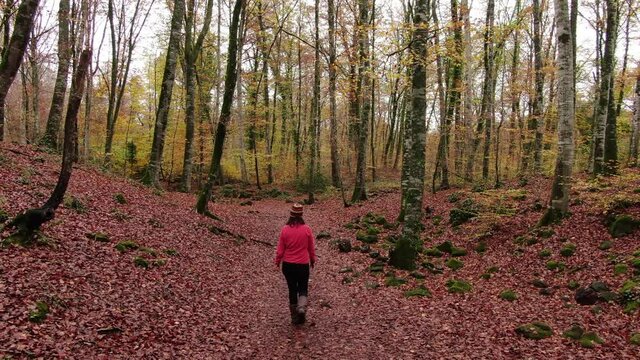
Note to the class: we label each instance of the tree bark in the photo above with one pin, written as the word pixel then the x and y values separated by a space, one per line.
pixel 333 122
pixel 152 175
pixel 231 74
pixel 635 126
pixel 14 53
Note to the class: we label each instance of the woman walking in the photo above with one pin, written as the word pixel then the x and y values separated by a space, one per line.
pixel 296 251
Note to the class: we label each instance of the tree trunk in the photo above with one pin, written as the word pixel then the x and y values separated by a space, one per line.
pixel 404 252
pixel 152 175
pixel 50 138
pixel 635 126
pixel 333 123
pixel 559 202
pixel 602 148
pixel 14 53
pixel 225 112
pixel 364 79
pixel 27 223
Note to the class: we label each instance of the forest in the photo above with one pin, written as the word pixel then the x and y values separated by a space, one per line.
pixel 469 170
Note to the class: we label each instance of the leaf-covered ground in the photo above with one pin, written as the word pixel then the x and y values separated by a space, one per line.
pixel 209 295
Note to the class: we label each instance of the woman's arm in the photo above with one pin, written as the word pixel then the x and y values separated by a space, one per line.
pixel 279 249
pixel 312 248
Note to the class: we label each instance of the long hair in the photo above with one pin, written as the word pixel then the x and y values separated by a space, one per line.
pixel 295 221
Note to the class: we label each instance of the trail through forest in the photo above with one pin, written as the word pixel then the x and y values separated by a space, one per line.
pixel 202 294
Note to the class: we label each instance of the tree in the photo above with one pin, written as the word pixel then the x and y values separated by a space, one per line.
pixel 192 50
pixel 152 175
pixel 559 202
pixel 404 254
pixel 27 223
pixel 231 74
pixel 333 123
pixel 314 129
pixel 635 125
pixel 14 52
pixel 50 138
pixel 363 91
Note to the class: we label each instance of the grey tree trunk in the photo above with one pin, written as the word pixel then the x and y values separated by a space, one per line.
pixel 333 123
pixel 635 126
pixel 50 138
pixel 404 253
pixel 534 125
pixel 152 175
pixel 192 49
pixel 14 52
pixel 559 199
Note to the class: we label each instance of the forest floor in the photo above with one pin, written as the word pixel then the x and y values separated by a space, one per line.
pixel 206 294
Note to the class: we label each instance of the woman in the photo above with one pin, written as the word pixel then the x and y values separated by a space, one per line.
pixel 296 251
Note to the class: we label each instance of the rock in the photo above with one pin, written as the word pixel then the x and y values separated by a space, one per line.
pixel 623 225
pixel 454 264
pixel 417 275
pixel 323 235
pixel 635 339
pixel 433 252
pixel 459 216
pixel 345 270
pixel 546 291
pixel 605 245
pixel 586 296
pixel 590 339
pixel 535 330
pixel 365 248
pixel 419 291
pixel 344 245
pixel 539 283
pixel 575 332
pixel 599 286
pixel 458 286
pixel 445 247
pixel 374 254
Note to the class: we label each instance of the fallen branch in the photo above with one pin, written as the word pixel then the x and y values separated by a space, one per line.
pixel 220 231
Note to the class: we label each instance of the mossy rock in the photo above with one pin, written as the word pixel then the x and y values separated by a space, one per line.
pixel 456 251
pixel 120 199
pixel 458 216
pixel 623 225
pixel 376 268
pixel 605 245
pixel 147 250
pixel 454 264
pixel 246 203
pixel 453 197
pixel 544 232
pixel 555 265
pixel 535 330
pixel 125 245
pixel 572 285
pixel 158 262
pixel 372 230
pixel 620 269
pixel 420 291
pixel 98 236
pixel 568 250
pixel 486 276
pixel 575 332
pixel 635 263
pixel 525 240
pixel 635 339
pixel 445 247
pixel 371 285
pixel 433 268
pixel 344 270
pixel 403 255
pixel 508 295
pixel 344 245
pixel 3 216
pixel 366 238
pixel 323 235
pixel 433 252
pixel 417 275
pixel 544 253
pixel 480 247
pixel 394 281
pixel 458 286
pixel 139 261
pixel 590 339
pixel 630 295
pixel 171 252
pixel 72 202
pixel 539 283
pixel 40 313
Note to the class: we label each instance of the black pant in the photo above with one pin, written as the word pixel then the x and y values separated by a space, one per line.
pixel 297 276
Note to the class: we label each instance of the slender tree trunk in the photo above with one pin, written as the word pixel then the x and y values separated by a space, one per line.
pixel 50 138
pixel 333 123
pixel 604 150
pixel 635 126
pixel 515 91
pixel 404 253
pixel 227 102
pixel 559 199
pixel 152 175
pixel 14 52
pixel 535 120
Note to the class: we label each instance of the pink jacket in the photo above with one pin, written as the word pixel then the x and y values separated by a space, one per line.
pixel 296 245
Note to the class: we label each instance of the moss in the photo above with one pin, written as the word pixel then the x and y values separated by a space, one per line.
pixel 525 240
pixel 394 281
pixel 605 245
pixel 323 235
pixel 453 197
pixel 623 225
pixel 433 252
pixel 366 238
pixel 159 262
pixel 433 268
pixel 454 264
pixel 630 296
pixel 568 250
pixel 508 295
pixel 417 275
pixel 544 232
pixel 458 216
pixel 590 339
pixel 539 283
pixel 544 253
pixel 458 286
pixel 619 269
pixel 636 263
pixel 573 285
pixel 3 216
pixel 98 236
pixel 376 267
pixel 535 330
pixel 404 254
pixel 456 251
pixel 575 332
pixel 635 339
pixel 72 202
pixel 149 251
pixel 445 247
pixel 436 220
pixel 420 291
pixel 555 265
pixel 120 199
pixel 125 245
pixel 171 252
pixel 492 270
pixel 485 276
pixel 371 285
pixel 480 247
pixel 141 262
pixel 40 313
